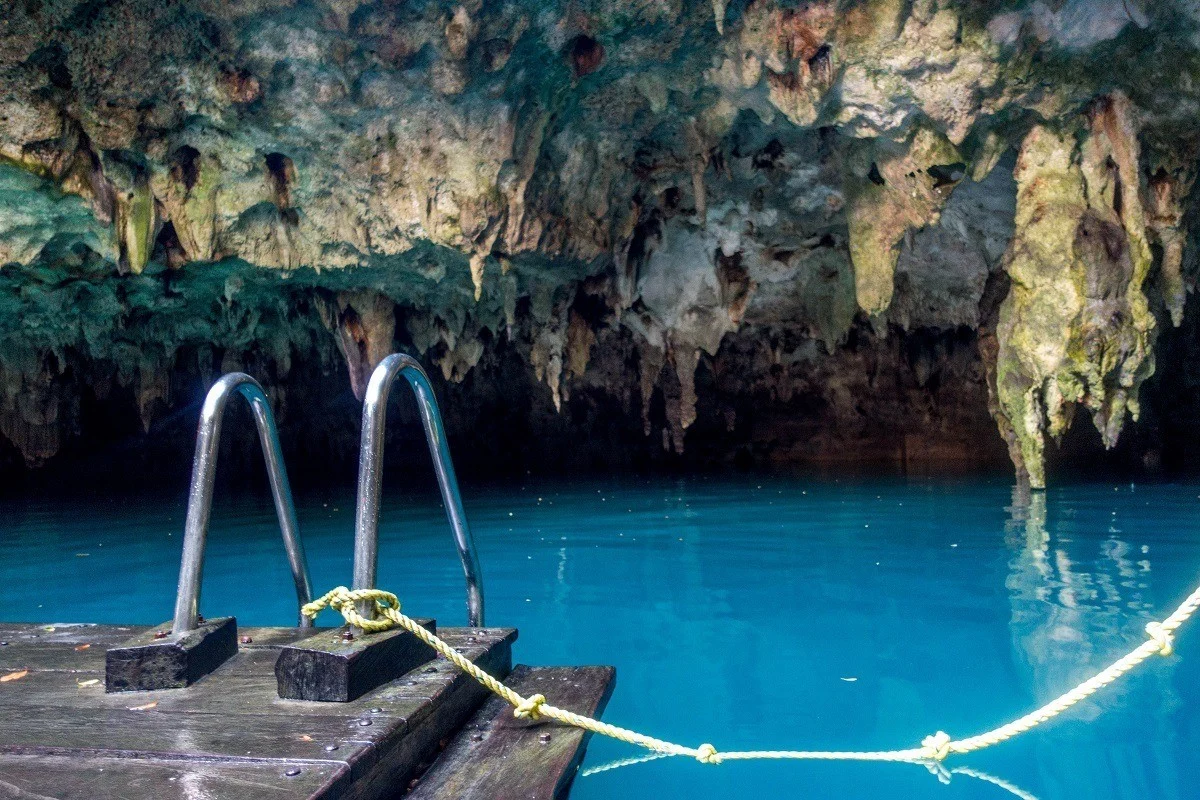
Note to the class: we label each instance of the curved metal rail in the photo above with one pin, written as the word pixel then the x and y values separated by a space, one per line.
pixel 204 468
pixel 370 473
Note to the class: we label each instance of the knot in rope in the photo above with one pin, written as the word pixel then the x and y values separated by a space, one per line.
pixel 343 601
pixel 530 708
pixel 1162 637
pixel 707 754
pixel 937 746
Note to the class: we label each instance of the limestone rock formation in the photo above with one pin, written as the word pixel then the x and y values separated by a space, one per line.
pixel 768 230
pixel 1076 328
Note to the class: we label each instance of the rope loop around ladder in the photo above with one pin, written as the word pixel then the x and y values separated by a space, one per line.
pixel 934 749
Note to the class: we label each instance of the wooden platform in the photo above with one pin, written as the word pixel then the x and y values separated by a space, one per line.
pixel 229 735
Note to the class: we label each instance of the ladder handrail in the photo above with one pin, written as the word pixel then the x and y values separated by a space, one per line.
pixel 200 496
pixel 370 473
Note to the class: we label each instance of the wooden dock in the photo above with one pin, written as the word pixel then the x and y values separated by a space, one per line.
pixel 428 735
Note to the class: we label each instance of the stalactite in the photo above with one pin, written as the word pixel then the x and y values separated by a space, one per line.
pixel 685 360
pixel 646 186
pixel 364 326
pixel 650 364
pixel 1079 335
pixel 1164 210
pixel 894 193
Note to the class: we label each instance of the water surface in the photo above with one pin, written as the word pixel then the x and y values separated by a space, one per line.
pixel 747 612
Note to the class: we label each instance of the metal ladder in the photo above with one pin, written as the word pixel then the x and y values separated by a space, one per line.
pixel 366 527
pixel 370 474
pixel 200 495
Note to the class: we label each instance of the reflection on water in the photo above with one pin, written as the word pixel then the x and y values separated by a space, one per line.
pixel 1077 606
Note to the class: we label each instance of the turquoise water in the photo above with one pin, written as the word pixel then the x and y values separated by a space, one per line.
pixel 749 612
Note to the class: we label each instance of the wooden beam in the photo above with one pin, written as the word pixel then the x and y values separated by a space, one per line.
pixel 337 666
pixel 498 757
pixel 161 659
pixel 43 777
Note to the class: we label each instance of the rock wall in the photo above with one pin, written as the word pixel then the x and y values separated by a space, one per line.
pixel 862 231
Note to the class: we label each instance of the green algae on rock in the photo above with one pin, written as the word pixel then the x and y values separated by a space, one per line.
pixel 1075 328
pixel 702 216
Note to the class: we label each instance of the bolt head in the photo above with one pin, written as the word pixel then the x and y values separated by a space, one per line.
pixel 544 738
pixel 364 723
pixel 293 772
pixel 161 634
pixel 329 748
pixel 245 640
pixel 376 710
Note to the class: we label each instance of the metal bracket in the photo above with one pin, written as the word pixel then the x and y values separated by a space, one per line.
pixel 193 649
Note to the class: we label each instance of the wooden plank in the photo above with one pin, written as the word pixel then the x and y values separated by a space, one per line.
pixel 56 716
pixel 20 635
pixel 456 696
pixel 75 778
pixel 274 637
pixel 498 757
pixel 46 646
pixel 246 685
pixel 105 732
pixel 16 633
pixel 71 648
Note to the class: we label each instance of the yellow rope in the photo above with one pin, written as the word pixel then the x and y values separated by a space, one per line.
pixel 933 748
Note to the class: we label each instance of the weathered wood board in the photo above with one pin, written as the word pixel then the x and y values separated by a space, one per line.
pixel 229 734
pixel 162 659
pixel 498 757
pixel 37 777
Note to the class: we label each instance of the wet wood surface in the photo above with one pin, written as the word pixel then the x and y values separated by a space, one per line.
pixel 229 734
pixel 498 757
pixel 336 666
